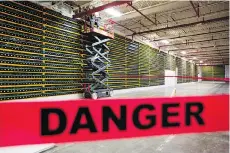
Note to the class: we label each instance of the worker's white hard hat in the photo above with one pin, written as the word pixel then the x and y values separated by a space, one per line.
pixel 97 14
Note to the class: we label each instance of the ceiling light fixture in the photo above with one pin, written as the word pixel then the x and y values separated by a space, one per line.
pixel 113 12
pixel 183 52
pixel 201 61
pixel 194 58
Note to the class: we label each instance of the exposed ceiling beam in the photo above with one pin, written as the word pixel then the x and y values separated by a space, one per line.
pixel 206 51
pixel 219 59
pixel 215 60
pixel 192 35
pixel 128 28
pixel 197 11
pixel 188 19
pixel 209 54
pixel 184 25
pixel 180 49
pixel 219 62
pixel 164 6
pixel 206 56
pixel 100 8
pixel 162 9
pixel 130 4
pixel 188 43
pixel 213 63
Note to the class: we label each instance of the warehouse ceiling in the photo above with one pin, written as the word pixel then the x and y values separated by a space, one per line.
pixel 195 30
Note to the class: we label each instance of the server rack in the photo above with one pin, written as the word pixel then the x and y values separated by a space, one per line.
pixel 41 52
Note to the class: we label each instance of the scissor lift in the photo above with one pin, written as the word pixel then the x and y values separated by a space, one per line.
pixel 97 62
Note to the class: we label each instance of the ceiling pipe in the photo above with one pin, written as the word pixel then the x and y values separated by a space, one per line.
pixel 218 62
pixel 213 61
pixel 197 11
pixel 176 50
pixel 213 64
pixel 186 43
pixel 159 9
pixel 130 4
pixel 204 55
pixel 190 35
pixel 214 58
pixel 218 58
pixel 188 18
pixel 184 25
pixel 207 51
pixel 127 29
pixel 209 54
pixel 100 8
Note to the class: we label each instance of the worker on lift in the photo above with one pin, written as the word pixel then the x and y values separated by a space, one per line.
pixel 95 20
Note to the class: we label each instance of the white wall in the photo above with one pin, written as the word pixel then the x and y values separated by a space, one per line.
pixel 176 74
pixel 199 70
pixel 170 81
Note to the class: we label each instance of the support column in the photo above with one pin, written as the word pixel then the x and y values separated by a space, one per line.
pixel 226 72
pixel 199 69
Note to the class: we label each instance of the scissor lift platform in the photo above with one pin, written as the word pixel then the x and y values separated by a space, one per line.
pixel 100 33
pixel 98 61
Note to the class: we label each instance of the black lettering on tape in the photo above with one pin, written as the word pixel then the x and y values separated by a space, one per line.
pixel 45 129
pixel 166 115
pixel 196 114
pixel 121 120
pixel 108 114
pixel 77 122
pixel 151 118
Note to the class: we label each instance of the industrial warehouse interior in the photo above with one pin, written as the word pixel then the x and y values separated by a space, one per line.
pixel 108 49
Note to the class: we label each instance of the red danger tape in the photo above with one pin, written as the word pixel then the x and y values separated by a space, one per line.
pixel 85 120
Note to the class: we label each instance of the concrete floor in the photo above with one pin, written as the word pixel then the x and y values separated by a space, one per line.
pixel 186 143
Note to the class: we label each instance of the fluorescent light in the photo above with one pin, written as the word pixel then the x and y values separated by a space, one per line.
pixel 183 52
pixel 194 58
pixel 113 12
pixel 205 64
pixel 165 41
pixel 201 61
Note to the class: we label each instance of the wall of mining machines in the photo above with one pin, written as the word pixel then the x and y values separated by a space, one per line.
pixel 213 71
pixel 42 54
